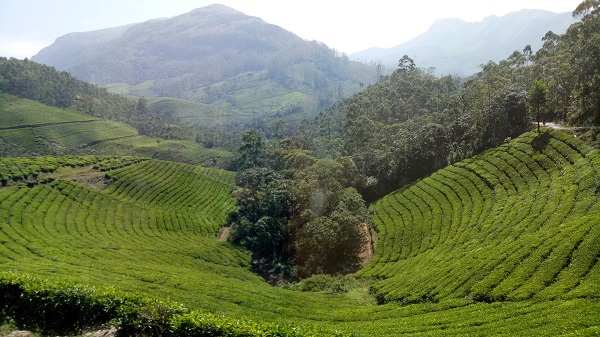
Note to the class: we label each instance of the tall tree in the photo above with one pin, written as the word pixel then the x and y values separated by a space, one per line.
pixel 406 64
pixel 537 97
pixel 252 151
pixel 3 83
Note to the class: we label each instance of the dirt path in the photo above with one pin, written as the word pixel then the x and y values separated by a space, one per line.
pixel 366 254
pixel 86 175
pixel 553 125
pixel 223 234
pixel 562 127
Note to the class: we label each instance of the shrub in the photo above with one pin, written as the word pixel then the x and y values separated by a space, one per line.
pixel 55 308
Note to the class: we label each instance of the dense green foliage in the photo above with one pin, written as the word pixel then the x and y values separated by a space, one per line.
pixel 412 123
pixel 296 210
pixel 515 223
pixel 569 66
pixel 62 308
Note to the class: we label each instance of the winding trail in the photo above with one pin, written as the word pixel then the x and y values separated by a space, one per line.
pixel 366 254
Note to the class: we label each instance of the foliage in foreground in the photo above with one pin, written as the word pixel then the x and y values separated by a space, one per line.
pixel 61 308
pixel 136 236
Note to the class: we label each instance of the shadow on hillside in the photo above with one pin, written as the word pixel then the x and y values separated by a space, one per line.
pixel 540 142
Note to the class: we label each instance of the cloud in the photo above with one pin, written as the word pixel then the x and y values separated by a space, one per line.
pixel 19 48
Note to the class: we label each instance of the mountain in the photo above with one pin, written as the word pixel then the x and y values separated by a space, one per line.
pixel 213 55
pixel 454 46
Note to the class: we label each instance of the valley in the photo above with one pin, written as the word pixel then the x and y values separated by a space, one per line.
pixel 153 232
pixel 211 174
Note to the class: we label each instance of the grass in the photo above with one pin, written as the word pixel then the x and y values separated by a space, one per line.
pixel 143 89
pixel 164 149
pixel 30 128
pixel 250 96
pixel 18 112
pixel 505 243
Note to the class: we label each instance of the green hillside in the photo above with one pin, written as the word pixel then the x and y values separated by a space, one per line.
pixel 238 65
pixel 246 97
pixel 516 223
pixel 28 128
pixel 505 243
pixel 157 219
pixel 32 128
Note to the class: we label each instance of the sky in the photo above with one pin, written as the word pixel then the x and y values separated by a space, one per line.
pixel 27 26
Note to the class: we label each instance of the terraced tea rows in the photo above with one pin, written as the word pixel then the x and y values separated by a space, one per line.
pixel 63 215
pixel 171 150
pixel 516 223
pixel 18 169
pixel 66 135
pixel 152 232
pixel 515 227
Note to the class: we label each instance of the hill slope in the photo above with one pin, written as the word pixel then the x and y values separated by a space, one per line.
pixel 29 128
pixel 516 223
pixel 515 227
pixel 193 55
pixel 454 46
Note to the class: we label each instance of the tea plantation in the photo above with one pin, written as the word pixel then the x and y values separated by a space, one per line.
pixel 519 222
pixel 30 128
pixel 505 243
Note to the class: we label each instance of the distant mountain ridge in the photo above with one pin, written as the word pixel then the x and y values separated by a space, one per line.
pixel 454 46
pixel 129 53
pixel 192 56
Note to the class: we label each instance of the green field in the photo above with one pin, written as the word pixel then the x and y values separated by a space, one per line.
pixel 191 112
pixel 505 243
pixel 164 149
pixel 242 98
pixel 17 112
pixel 30 128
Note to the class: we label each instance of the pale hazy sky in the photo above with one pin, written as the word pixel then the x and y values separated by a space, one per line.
pixel 26 26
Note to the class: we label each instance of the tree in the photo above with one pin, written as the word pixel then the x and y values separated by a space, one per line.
pixel 537 97
pixel 527 52
pixel 279 129
pixel 264 206
pixel 406 64
pixel 331 244
pixel 586 8
pixel 3 83
pixel 142 106
pixel 252 150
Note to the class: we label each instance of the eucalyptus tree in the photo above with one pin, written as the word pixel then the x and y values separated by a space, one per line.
pixel 537 97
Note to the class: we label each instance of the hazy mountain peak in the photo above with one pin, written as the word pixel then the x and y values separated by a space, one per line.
pixel 454 46
pixel 214 55
pixel 216 8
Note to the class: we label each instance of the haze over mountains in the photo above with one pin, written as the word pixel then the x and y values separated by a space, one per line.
pixel 230 67
pixel 215 56
pixel 454 46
